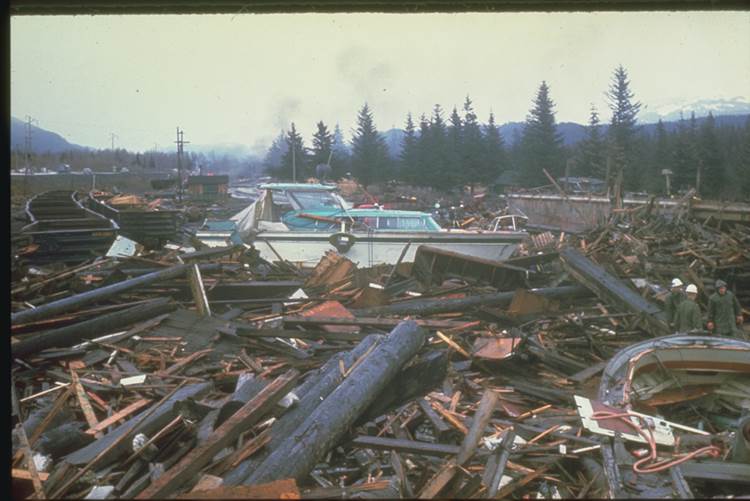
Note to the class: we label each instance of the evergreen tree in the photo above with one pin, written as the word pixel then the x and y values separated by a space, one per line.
pixel 322 145
pixel 684 156
pixel 341 161
pixel 495 158
pixel 711 162
pixel 661 159
pixel 409 153
pixel 294 163
pixel 423 169
pixel 369 155
pixel 743 165
pixel 274 155
pixel 439 171
pixel 541 143
pixel 455 147
pixel 592 151
pixel 472 150
pixel 622 130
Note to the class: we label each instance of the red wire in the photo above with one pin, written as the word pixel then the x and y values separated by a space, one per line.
pixel 656 466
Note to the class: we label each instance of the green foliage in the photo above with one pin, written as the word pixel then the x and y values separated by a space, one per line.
pixel 369 154
pixel 322 145
pixel 591 157
pixel 541 143
pixel 622 130
pixel 409 155
pixel 295 160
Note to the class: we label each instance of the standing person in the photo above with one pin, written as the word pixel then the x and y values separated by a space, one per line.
pixel 724 311
pixel 688 315
pixel 673 301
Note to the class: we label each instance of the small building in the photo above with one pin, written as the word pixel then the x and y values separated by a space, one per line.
pixel 208 188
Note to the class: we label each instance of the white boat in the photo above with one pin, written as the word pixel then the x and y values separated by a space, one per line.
pixel 300 222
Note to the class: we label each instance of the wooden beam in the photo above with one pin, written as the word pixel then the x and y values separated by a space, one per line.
pixel 224 435
pixel 121 414
pixel 83 401
pixel 199 292
pixel 33 473
pixel 406 446
pixel 469 445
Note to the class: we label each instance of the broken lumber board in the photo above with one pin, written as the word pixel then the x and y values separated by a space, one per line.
pixel 27 452
pixel 225 434
pixel 71 303
pixel 588 372
pixel 251 332
pixel 611 289
pixel 95 327
pixel 369 321
pixel 83 401
pixel 468 447
pixel 280 489
pixel 198 291
pixel 407 446
pixel 298 454
pixel 431 306
pixel 121 414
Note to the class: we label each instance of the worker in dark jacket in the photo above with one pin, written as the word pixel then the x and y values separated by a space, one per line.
pixel 724 312
pixel 673 300
pixel 688 315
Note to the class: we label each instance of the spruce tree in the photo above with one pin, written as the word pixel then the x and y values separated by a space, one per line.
pixel 711 161
pixel 592 156
pixel 455 146
pixel 495 158
pixel 541 143
pixel 273 159
pixel 369 154
pixel 661 160
pixel 341 159
pixel 622 130
pixel 294 163
pixel 472 156
pixel 439 172
pixel 423 176
pixel 409 154
pixel 322 145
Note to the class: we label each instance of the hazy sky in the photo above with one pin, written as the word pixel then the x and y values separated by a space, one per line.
pixel 242 78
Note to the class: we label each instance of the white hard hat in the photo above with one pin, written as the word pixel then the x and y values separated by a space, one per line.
pixel 691 289
pixel 676 282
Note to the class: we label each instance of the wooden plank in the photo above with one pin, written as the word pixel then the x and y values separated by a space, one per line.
pixel 83 401
pixel 196 459
pixel 121 414
pixel 406 446
pixel 508 489
pixel 33 473
pixel 588 372
pixel 469 445
pixel 26 474
pixel 184 362
pixel 279 489
pixel 199 292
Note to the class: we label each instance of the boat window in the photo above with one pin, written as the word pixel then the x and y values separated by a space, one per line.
pixel 311 200
pixel 412 223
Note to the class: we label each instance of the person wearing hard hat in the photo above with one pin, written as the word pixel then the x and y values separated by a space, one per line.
pixel 724 312
pixel 688 315
pixel 673 300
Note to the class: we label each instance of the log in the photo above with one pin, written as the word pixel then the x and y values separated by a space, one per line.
pixel 432 306
pixel 95 327
pixel 71 303
pixel 406 446
pixel 297 455
pixel 492 476
pixel 311 393
pixel 242 420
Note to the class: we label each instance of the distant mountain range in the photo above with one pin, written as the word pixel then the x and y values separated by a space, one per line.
pixel 727 112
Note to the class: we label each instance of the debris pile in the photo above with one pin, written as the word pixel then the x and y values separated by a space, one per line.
pixel 212 373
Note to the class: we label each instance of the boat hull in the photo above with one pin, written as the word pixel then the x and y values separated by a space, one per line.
pixel 383 248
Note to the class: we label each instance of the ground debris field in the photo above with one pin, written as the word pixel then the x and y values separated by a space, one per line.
pixel 179 372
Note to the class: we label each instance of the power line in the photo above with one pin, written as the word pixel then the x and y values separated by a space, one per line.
pixel 27 150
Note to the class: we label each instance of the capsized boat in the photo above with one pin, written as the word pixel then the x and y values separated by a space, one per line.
pixel 300 222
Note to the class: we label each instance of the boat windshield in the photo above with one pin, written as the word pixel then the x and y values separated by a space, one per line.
pixel 315 200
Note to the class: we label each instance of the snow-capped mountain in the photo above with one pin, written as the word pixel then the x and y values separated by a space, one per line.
pixel 670 110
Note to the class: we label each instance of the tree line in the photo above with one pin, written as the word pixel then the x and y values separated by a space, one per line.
pixel 445 153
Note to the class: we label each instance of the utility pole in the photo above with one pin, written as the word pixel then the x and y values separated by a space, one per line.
pixel 180 143
pixel 27 151
pixel 112 136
